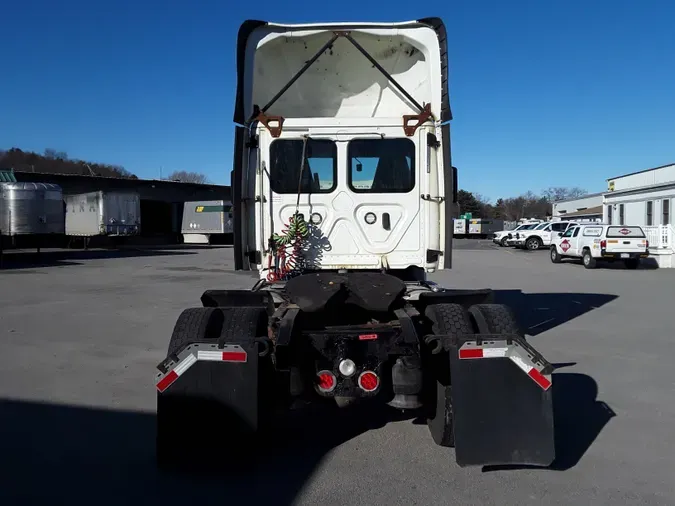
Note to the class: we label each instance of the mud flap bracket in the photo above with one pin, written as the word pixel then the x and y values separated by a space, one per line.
pixel 502 401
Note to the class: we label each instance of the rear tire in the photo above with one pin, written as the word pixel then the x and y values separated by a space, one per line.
pixel 195 325
pixel 495 319
pixel 588 260
pixel 243 324
pixel 446 319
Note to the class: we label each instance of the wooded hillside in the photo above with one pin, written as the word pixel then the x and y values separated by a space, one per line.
pixel 57 162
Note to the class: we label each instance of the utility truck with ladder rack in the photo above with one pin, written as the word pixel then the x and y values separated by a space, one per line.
pixel 343 197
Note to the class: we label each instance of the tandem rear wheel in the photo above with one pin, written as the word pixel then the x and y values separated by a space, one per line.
pixel 454 319
pixel 200 416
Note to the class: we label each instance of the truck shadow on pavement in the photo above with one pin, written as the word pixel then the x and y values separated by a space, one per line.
pixel 539 312
pixel 579 417
pixel 83 456
pixel 19 260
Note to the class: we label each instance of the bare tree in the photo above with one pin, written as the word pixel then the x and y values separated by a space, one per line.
pixel 527 205
pixel 557 193
pixel 188 177
pixel 57 162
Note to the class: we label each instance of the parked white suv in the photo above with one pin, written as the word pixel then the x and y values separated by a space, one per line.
pixel 601 242
pixel 542 235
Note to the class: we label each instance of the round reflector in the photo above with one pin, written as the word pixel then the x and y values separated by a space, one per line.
pixel 325 381
pixel 368 381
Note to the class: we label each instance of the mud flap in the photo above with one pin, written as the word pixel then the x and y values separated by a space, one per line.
pixel 502 401
pixel 207 390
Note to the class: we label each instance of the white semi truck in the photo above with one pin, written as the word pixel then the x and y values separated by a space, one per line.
pixel 343 190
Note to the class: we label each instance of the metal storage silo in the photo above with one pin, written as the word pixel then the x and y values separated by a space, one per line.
pixel 31 209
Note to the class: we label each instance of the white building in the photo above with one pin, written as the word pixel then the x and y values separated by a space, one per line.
pixel 586 208
pixel 645 198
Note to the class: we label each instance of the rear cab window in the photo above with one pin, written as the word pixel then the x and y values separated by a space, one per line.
pixel 319 174
pixel 628 232
pixel 381 165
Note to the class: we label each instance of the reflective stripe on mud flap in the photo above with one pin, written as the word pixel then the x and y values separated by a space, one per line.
pixel 513 351
pixel 485 351
pixel 194 352
pixel 230 353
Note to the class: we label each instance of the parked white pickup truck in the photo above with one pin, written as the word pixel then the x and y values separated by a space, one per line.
pixel 503 236
pixel 514 236
pixel 542 234
pixel 601 242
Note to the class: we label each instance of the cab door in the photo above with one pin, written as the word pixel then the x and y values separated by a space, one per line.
pixel 383 176
pixel 575 240
pixel 565 243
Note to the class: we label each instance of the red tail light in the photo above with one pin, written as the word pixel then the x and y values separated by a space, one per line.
pixel 326 381
pixel 647 243
pixel 603 244
pixel 369 381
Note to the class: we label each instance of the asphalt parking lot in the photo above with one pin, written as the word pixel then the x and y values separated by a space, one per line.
pixel 82 333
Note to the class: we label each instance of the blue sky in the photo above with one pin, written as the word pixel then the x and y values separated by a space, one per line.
pixel 543 92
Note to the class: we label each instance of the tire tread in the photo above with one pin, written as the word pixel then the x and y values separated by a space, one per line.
pixel 446 319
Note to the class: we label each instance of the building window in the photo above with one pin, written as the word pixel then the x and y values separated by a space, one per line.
pixel 609 214
pixel 621 216
pixel 665 207
pixel 650 213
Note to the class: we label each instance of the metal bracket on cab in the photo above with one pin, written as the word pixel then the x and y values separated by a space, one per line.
pixel 429 198
pixel 275 131
pixel 422 117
